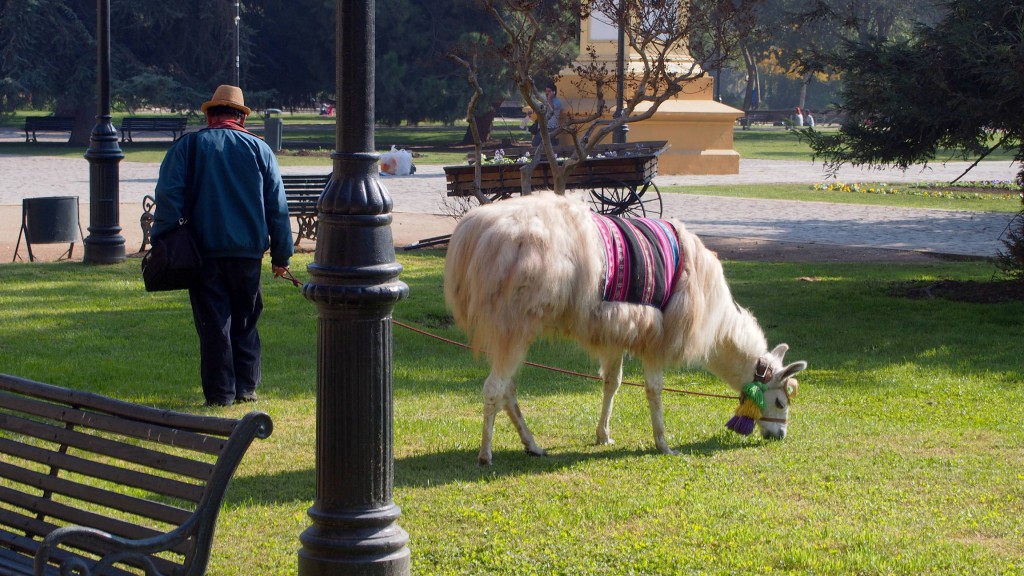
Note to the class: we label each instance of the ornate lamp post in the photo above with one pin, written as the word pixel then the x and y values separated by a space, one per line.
pixel 354 284
pixel 104 245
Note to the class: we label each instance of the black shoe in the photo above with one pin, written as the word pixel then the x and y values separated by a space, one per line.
pixel 246 397
pixel 210 404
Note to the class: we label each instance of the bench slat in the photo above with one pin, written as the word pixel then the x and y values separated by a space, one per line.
pixel 13 560
pixel 37 529
pixel 81 399
pixel 138 506
pixel 15 563
pixel 102 422
pixel 107 447
pixel 156 484
pixel 76 516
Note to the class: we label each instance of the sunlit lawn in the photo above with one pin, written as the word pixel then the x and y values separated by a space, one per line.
pixel 904 456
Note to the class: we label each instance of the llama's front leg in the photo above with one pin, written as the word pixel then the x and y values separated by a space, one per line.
pixel 611 373
pixel 512 408
pixel 654 382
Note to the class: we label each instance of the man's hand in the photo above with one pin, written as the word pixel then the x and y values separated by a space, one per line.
pixel 281 271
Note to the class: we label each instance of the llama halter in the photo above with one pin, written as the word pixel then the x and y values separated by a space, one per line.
pixel 642 259
pixel 752 400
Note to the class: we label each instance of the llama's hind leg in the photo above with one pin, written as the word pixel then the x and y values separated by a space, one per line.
pixel 500 394
pixel 654 381
pixel 611 373
pixel 512 408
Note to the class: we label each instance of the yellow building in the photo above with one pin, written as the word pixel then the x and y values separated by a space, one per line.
pixel 698 129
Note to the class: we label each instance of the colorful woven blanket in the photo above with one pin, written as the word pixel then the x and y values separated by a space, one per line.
pixel 642 259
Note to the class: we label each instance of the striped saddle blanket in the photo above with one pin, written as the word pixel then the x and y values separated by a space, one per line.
pixel 642 259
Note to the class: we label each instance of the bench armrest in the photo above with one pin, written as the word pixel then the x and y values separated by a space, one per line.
pixel 121 550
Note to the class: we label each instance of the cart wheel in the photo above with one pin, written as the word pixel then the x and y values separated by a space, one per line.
pixel 614 199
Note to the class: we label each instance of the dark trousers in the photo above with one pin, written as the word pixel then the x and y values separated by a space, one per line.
pixel 226 304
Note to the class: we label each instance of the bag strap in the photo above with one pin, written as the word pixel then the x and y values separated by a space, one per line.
pixel 190 169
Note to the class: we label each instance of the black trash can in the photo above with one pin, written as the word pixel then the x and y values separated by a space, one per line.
pixel 49 220
pixel 273 129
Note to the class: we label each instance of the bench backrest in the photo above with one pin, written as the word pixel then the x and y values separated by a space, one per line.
pixel 302 185
pixel 303 191
pixel 170 123
pixel 49 123
pixel 73 458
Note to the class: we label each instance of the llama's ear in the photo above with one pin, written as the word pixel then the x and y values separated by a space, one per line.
pixel 793 369
pixel 780 351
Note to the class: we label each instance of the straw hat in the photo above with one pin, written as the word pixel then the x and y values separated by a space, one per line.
pixel 226 95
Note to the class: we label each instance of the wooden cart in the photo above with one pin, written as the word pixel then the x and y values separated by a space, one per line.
pixel 618 177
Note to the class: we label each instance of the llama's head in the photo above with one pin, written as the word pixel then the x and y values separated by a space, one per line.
pixel 766 399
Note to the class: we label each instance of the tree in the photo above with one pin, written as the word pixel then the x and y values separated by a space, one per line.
pixel 48 55
pixel 288 51
pixel 957 85
pixel 675 43
pixel 173 50
pixel 795 39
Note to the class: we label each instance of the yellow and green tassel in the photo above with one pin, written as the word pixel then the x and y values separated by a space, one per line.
pixel 749 410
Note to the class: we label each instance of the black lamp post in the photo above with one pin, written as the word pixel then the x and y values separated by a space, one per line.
pixel 238 44
pixel 354 284
pixel 104 245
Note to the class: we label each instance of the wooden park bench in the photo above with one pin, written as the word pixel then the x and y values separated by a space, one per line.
pixel 35 124
pixel 773 117
pixel 174 125
pixel 94 485
pixel 301 191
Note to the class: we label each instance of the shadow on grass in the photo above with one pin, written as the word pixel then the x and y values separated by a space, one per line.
pixel 460 466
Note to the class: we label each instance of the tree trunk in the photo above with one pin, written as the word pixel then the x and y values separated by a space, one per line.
pixel 805 82
pixel 85 120
pixel 752 95
pixel 484 123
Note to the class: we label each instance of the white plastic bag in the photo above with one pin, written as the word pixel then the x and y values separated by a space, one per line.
pixel 397 162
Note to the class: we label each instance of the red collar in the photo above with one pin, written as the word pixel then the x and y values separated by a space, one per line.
pixel 230 125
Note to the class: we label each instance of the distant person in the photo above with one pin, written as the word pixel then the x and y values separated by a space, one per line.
pixel 239 213
pixel 553 111
pixel 798 117
pixel 808 119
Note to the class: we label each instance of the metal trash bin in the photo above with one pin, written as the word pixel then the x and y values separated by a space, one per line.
pixel 273 129
pixel 49 220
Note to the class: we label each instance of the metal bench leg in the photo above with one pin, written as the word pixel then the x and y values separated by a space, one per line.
pixel 18 245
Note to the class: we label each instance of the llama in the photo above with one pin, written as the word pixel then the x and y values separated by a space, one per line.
pixel 520 269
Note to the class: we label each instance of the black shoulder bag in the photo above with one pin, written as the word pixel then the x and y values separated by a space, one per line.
pixel 174 261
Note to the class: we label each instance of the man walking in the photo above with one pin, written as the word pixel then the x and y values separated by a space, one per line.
pixel 239 212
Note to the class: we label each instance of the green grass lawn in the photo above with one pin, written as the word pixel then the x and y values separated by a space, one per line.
pixel 778 143
pixel 903 457
pixel 921 195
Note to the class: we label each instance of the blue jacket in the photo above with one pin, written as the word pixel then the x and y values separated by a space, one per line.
pixel 240 209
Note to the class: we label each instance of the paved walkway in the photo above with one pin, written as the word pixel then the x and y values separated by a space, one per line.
pixel 420 199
